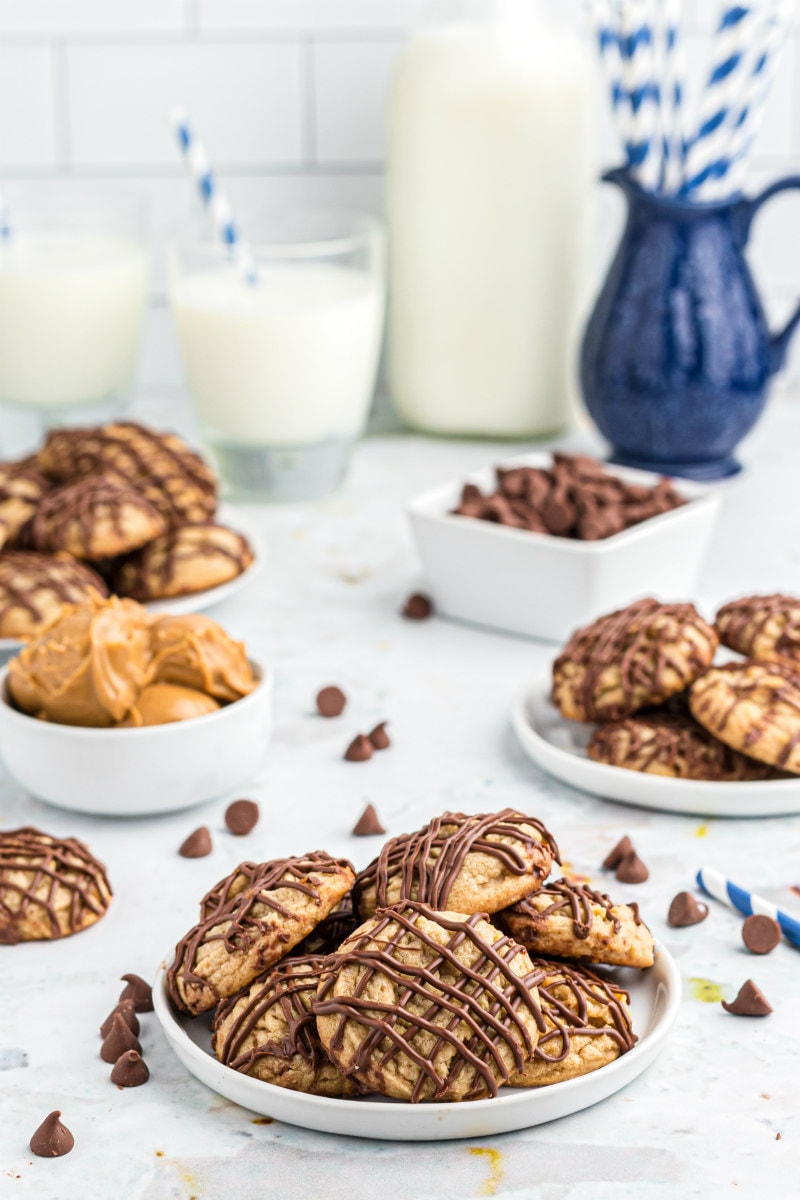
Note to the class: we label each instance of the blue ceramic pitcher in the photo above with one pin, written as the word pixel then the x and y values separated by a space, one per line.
pixel 677 356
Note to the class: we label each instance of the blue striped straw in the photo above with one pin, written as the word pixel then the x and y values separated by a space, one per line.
pixel 714 884
pixel 642 90
pixel 609 45
pixel 672 93
pixel 213 198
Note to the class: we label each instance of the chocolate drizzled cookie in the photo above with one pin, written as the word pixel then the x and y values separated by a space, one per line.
pixel 754 707
pixel 95 518
pixel 765 627
pixel 187 559
pixel 478 863
pixel 22 487
pixel 35 587
pixel 49 887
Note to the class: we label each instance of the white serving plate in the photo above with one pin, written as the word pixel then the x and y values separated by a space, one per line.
pixel 545 587
pixel 655 996
pixel 558 746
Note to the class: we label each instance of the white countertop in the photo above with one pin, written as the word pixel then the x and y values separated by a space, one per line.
pixel 703 1121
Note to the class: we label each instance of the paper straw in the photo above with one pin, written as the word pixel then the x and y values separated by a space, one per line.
pixel 672 96
pixel 714 884
pixel 211 194
pixel 608 44
pixel 641 87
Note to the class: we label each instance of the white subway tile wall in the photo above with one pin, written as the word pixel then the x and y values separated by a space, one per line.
pixel 291 98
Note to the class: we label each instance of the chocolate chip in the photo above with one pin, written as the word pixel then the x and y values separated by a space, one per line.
pixel 331 701
pixel 130 1070
pixel 241 817
pixel 379 737
pixel 760 933
pixel 471 494
pixel 118 1040
pixel 615 856
pixel 127 1011
pixel 631 869
pixel 559 512
pixel 139 991
pixel 368 824
pixel 197 844
pixel 418 607
pixel 685 910
pixel 750 1002
pixel 52 1139
pixel 360 749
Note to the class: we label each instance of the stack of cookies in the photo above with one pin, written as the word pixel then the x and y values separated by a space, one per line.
pixel 119 508
pixel 444 970
pixel 646 676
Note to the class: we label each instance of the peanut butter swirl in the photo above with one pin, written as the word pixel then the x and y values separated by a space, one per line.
pixel 565 996
pixel 49 887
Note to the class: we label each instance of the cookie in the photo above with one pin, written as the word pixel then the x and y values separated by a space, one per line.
pixel 766 627
pixel 49 887
pixel 187 559
pixel 672 744
pixel 95 518
pixel 587 1025
pixel 470 864
pixel 754 707
pixel 424 1005
pixel 22 487
pixel 269 1031
pixel 35 587
pixel 159 465
pixel 194 652
pixel 631 659
pixel 327 937
pixel 227 950
pixel 567 920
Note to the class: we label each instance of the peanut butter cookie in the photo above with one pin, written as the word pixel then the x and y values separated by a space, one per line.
pixel 424 1005
pixel 49 887
pixel 754 707
pixel 35 587
pixel 765 627
pixel 22 486
pixel 95 518
pixel 187 559
pixel 634 658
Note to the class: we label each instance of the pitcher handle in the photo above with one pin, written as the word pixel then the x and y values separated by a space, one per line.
pixel 779 342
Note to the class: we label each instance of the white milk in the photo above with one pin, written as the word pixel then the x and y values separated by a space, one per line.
pixel 71 311
pixel 489 167
pixel 290 360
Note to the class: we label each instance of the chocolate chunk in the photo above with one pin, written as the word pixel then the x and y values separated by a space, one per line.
pixel 368 824
pixel 360 749
pixel 127 1010
pixel 559 512
pixel 631 869
pixel 379 737
pixel 130 1070
pixel 615 856
pixel 331 702
pixel 750 1002
pixel 418 607
pixel 685 910
pixel 197 844
pixel 118 1040
pixel 139 991
pixel 760 933
pixel 52 1139
pixel 471 494
pixel 241 817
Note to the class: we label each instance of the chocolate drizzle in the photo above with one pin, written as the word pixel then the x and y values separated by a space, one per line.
pixel 439 997
pixel 152 571
pixel 36 871
pixel 741 624
pixel 568 895
pixel 68 517
pixel 568 1017
pixel 29 582
pixel 767 685
pixel 328 935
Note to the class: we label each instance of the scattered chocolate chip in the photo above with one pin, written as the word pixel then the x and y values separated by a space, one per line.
pixel 418 607
pixel 360 749
pixel 139 991
pixel 685 910
pixel 52 1139
pixel 127 1010
pixel 615 856
pixel 379 737
pixel 241 817
pixel 368 824
pixel 750 1002
pixel 197 844
pixel 331 702
pixel 130 1070
pixel 777 1137
pixel 118 1039
pixel 760 933
pixel 631 869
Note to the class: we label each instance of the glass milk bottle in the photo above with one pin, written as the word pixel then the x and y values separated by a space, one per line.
pixel 489 169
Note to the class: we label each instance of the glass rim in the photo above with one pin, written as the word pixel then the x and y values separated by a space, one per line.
pixel 365 227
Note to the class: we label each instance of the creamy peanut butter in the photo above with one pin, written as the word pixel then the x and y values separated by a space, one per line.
pixel 164 703
pixel 195 652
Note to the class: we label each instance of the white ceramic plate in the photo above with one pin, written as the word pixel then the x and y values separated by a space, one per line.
pixel 655 996
pixel 558 746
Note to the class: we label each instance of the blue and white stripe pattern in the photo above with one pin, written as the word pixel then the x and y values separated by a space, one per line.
pixel 211 195
pixel 641 89
pixel 714 884
pixel 672 88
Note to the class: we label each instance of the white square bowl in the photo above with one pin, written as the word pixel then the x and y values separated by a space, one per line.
pixel 545 587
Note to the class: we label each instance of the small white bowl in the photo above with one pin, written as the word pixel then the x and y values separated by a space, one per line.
pixel 137 772
pixel 546 587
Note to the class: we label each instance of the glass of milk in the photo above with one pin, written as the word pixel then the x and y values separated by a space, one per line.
pixel 73 288
pixel 282 369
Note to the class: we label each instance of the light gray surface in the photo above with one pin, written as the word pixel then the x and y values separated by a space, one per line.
pixel 703 1121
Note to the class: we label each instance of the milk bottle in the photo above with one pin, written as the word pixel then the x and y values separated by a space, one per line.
pixel 489 164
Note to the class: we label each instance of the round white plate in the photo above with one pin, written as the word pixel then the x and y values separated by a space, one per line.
pixel 558 746
pixel 655 996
